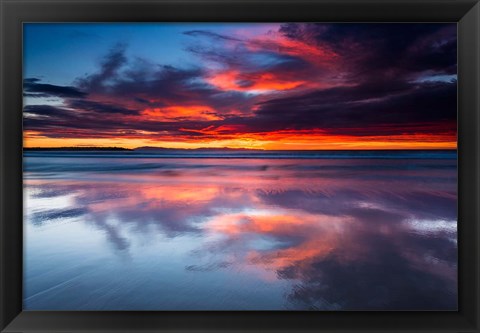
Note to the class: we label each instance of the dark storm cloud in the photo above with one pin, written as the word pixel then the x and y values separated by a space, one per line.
pixel 33 88
pixel 380 48
pixel 60 123
pixel 46 111
pixel 100 108
pixel 338 110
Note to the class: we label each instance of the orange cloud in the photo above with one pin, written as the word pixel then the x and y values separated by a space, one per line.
pixel 179 112
pixel 254 82
pixel 277 42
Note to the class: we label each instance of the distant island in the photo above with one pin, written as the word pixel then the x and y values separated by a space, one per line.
pixel 145 148
pixel 77 149
pixel 149 148
pixel 207 149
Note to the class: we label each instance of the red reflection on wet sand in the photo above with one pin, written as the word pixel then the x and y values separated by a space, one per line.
pixel 304 220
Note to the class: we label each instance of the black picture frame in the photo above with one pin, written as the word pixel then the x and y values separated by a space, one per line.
pixel 16 12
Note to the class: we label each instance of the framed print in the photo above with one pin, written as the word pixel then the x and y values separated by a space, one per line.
pixel 204 165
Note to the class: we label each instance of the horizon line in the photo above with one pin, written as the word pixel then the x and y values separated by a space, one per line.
pixel 224 148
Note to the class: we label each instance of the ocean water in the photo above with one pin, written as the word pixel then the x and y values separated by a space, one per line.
pixel 240 230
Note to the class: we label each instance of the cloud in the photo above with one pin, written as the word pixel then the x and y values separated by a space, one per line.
pixel 32 88
pixel 110 65
pixel 203 33
pixel 45 110
pixel 99 108
pixel 379 48
pixel 355 80
pixel 363 110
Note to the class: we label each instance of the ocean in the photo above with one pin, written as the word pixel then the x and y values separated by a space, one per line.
pixel 240 230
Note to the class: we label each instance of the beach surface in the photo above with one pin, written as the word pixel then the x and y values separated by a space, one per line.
pixel 240 230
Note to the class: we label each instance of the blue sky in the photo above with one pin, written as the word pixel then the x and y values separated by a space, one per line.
pixel 61 52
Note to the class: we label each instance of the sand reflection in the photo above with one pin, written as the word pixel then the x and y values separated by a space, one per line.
pixel 345 235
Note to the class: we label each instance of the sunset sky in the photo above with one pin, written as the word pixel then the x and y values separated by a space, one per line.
pixel 241 85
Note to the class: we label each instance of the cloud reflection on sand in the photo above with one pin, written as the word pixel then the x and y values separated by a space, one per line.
pixel 342 234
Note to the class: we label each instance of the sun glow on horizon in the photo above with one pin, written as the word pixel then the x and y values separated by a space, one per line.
pixel 308 142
